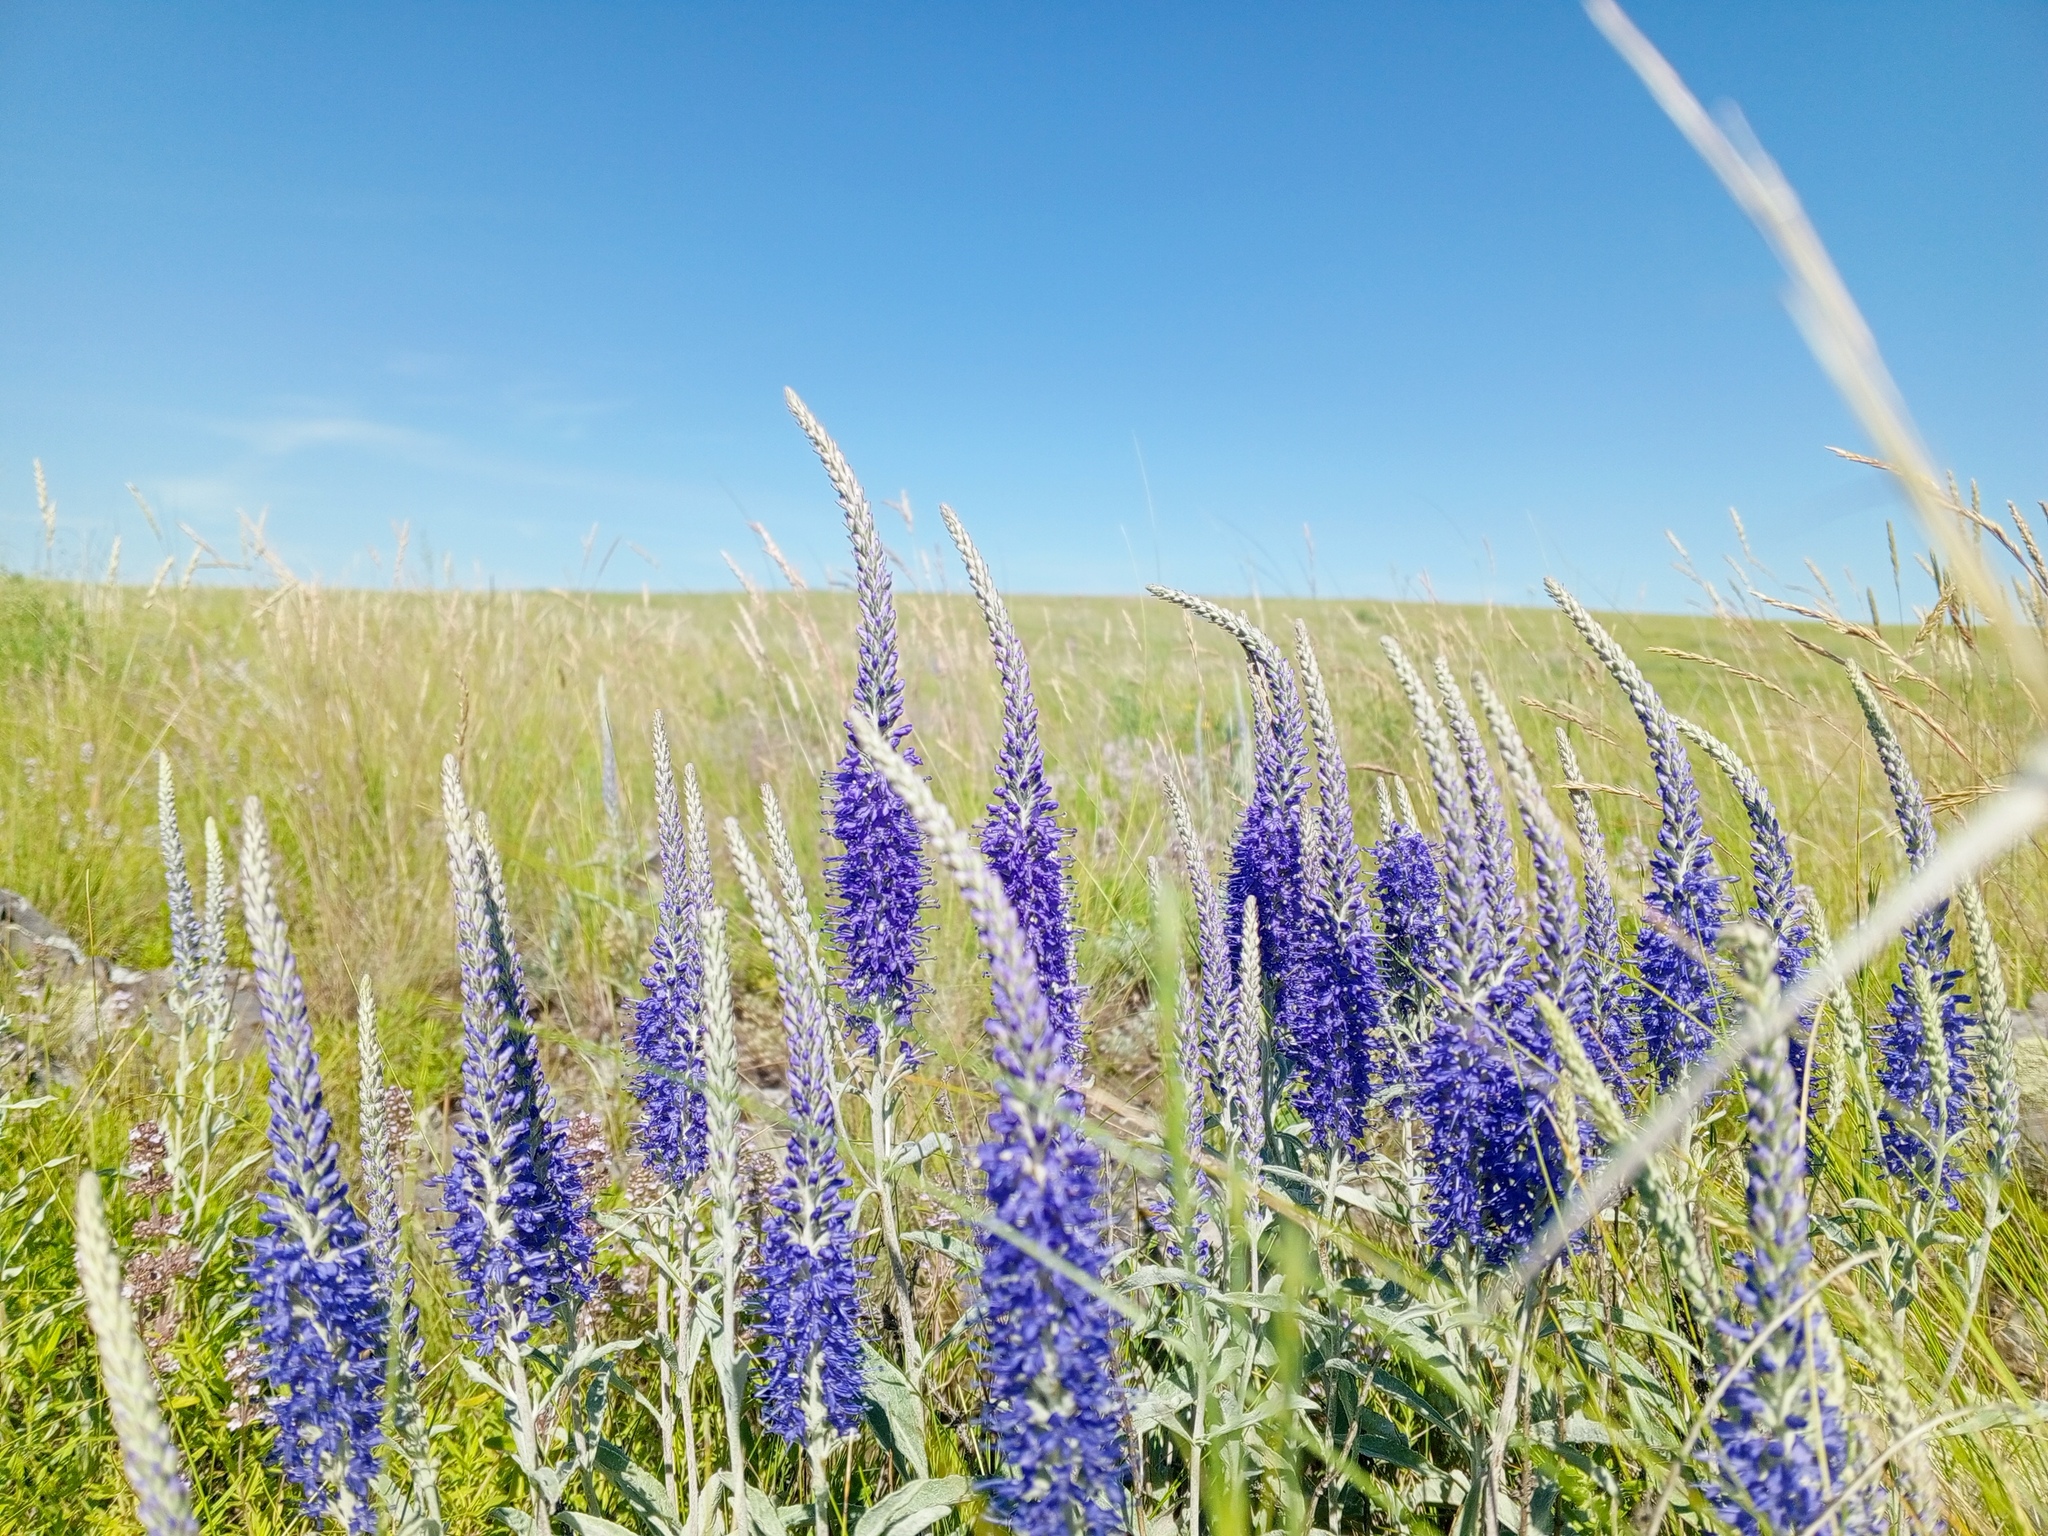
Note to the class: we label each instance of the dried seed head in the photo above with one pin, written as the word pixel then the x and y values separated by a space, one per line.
pixel 758 1173
pixel 644 1187
pixel 145 1280
pixel 146 1152
pixel 398 1118
pixel 146 1145
pixel 603 1304
pixel 243 1366
pixel 588 1152
pixel 153 1185
pixel 244 1371
pixel 249 1415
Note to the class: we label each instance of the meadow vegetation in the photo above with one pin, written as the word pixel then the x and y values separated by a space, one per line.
pixel 902 1060
pixel 335 710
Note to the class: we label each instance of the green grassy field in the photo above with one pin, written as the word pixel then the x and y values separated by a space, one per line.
pixel 334 709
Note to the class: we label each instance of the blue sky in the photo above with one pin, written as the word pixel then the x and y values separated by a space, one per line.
pixel 1140 290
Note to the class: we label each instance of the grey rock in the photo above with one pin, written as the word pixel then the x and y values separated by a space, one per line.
pixel 84 999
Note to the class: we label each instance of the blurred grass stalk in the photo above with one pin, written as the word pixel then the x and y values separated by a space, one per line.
pixel 1843 344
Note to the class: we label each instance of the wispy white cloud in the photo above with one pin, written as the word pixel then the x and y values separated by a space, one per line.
pixel 279 438
pixel 274 439
pixel 177 494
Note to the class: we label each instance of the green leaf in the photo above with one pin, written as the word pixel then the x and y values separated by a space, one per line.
pixel 770 1519
pixel 951 1244
pixel 1148 1409
pixel 483 1378
pixel 1587 1431
pixel 1380 1438
pixel 640 1488
pixel 590 1525
pixel 894 1411
pixel 1146 1275
pixel 1394 1386
pixel 913 1508
pixel 911 1153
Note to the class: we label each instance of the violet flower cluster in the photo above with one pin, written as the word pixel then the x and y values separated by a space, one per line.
pixel 1776 903
pixel 1572 953
pixel 1410 897
pixel 1483 1090
pixel 1674 993
pixel 1924 1066
pixel 1484 1080
pixel 517 1230
pixel 1021 836
pixel 1266 860
pixel 1201 1067
pixel 666 1035
pixel 806 1289
pixel 1266 854
pixel 1611 1025
pixel 1783 1449
pixel 878 876
pixel 1270 868
pixel 1054 1411
pixel 1340 1041
pixel 320 1309
pixel 1054 1408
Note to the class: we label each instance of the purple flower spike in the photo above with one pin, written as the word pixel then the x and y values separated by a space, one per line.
pixel 321 1312
pixel 1212 1001
pixel 666 1040
pixel 1483 1080
pixel 1925 1071
pixel 878 877
pixel 1776 903
pixel 1268 862
pixel 1055 1411
pixel 807 1288
pixel 1675 997
pixel 517 1210
pixel 1783 1446
pixel 1611 1024
pixel 1574 953
pixel 1341 1041
pixel 1468 935
pixel 1410 897
pixel 1560 959
pixel 1495 843
pixel 1022 838
pixel 1266 857
pixel 1483 1093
